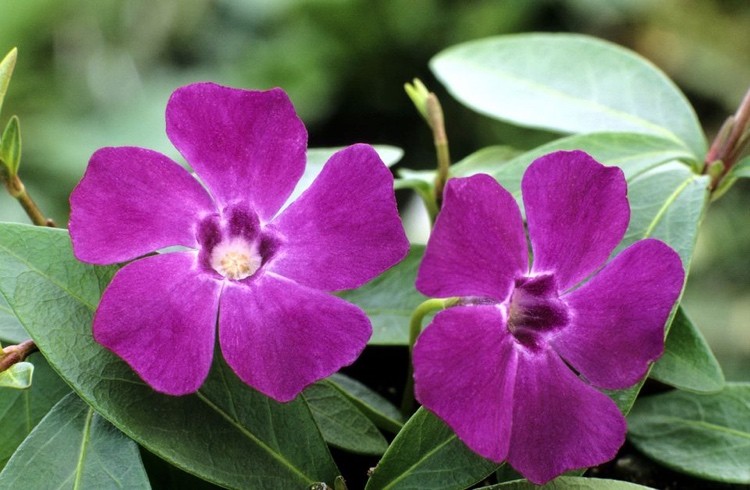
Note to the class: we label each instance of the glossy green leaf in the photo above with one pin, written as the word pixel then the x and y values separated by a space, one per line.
pixel 21 410
pixel 6 71
pixel 427 454
pixel 633 153
pixel 341 422
pixel 688 362
pixel 18 376
pixel 390 299
pixel 568 483
pixel 707 436
pixel 568 83
pixel 379 410
pixel 73 447
pixel 10 146
pixel 226 433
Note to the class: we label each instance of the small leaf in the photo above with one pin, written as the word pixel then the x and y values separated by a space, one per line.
pixel 382 412
pixel 707 436
pixel 688 362
pixel 340 421
pixel 10 147
pixel 569 83
pixel 427 454
pixel 21 410
pixel 742 169
pixel 6 71
pixel 18 376
pixel 390 299
pixel 317 158
pixel 73 447
pixel 567 483
pixel 225 433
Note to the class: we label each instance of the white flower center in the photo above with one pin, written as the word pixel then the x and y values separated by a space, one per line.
pixel 235 259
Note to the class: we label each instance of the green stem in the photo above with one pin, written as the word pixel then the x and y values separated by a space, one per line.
pixel 18 191
pixel 415 328
pixel 436 122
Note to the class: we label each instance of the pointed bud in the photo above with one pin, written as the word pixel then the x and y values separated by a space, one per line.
pixel 6 70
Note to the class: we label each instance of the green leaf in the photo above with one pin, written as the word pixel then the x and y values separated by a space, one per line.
pixel 317 158
pixel 390 299
pixel 633 153
pixel 707 436
pixel 568 83
pixel 382 412
pixel 688 362
pixel 427 454
pixel 742 169
pixel 10 146
pixel 18 376
pixel 21 410
pixel 340 421
pixel 567 483
pixel 6 70
pixel 11 331
pixel 226 433
pixel 73 447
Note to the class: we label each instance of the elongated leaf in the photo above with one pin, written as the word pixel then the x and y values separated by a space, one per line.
pixel 568 483
pixel 6 71
pixel 569 83
pixel 73 447
pixel 703 435
pixel 742 168
pixel 427 454
pixel 225 433
pixel 688 362
pixel 390 299
pixel 382 412
pixel 633 153
pixel 21 410
pixel 340 421
pixel 10 146
pixel 18 376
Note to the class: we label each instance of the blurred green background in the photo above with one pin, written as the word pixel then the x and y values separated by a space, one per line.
pixel 95 73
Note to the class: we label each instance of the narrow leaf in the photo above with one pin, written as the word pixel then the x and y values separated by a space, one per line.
pixel 707 436
pixel 6 71
pixel 427 454
pixel 226 433
pixel 18 376
pixel 382 412
pixel 10 146
pixel 340 421
pixel 569 83
pixel 73 447
pixel 688 362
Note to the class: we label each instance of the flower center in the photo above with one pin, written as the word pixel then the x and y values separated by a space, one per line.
pixel 235 259
pixel 535 308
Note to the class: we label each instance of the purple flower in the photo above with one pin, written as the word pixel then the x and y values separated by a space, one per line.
pixel 514 370
pixel 262 275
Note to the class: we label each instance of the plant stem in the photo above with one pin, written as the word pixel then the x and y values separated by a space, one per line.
pixel 415 328
pixel 729 143
pixel 18 190
pixel 437 123
pixel 16 353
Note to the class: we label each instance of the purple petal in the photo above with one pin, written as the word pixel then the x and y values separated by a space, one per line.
pixel 244 145
pixel 132 201
pixel 279 336
pixel 477 247
pixel 619 315
pixel 577 212
pixel 464 372
pixel 559 422
pixel 159 315
pixel 345 229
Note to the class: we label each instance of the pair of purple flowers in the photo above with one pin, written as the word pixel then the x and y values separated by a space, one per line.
pixel 511 369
